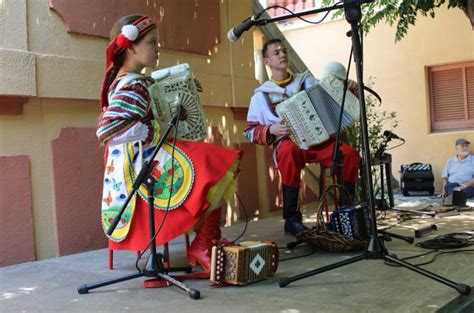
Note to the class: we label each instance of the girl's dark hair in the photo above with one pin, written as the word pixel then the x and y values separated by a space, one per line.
pixel 120 57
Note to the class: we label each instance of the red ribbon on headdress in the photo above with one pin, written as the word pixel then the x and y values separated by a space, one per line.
pixel 116 46
pixel 124 42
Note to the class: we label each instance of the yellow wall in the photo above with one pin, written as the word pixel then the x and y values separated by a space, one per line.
pixel 62 74
pixel 31 135
pixel 400 71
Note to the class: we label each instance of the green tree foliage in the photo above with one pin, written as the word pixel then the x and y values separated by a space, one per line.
pixel 378 120
pixel 402 13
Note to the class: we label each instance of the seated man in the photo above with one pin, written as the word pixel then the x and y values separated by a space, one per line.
pixel 459 171
pixel 265 127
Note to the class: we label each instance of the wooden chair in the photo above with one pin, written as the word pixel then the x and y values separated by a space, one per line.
pixel 167 262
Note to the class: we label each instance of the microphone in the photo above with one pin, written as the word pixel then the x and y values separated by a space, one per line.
pixel 237 31
pixel 391 135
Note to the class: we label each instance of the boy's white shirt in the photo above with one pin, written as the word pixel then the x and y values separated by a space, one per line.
pixel 260 111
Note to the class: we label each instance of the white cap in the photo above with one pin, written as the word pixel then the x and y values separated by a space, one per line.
pixel 335 68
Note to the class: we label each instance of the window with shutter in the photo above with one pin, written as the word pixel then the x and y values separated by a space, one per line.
pixel 452 96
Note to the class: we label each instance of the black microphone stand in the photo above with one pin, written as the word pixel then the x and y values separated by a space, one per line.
pixel 337 156
pixel 155 267
pixel 380 157
pixel 376 249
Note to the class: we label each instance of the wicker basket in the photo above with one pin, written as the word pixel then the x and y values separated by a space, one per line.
pixel 322 238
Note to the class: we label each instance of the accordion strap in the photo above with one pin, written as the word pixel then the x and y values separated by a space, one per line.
pixel 376 95
pixel 271 105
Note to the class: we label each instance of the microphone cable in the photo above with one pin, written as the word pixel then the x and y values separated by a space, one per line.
pixel 449 241
pixel 169 198
pixel 299 17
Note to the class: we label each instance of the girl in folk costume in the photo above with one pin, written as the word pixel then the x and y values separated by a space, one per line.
pixel 203 173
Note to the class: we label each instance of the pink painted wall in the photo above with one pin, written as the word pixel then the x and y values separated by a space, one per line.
pixel 12 105
pixel 191 26
pixel 247 184
pixel 16 219
pixel 77 166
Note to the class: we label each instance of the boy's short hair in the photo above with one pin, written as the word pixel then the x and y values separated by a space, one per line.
pixel 267 43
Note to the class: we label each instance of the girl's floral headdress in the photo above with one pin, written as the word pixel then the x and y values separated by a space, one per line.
pixel 130 33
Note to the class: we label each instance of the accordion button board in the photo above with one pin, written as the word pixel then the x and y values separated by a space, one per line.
pixel 313 114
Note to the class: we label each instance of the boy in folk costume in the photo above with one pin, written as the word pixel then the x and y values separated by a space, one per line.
pixel 130 134
pixel 265 127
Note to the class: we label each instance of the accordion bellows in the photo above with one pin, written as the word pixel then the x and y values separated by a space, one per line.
pixel 313 114
pixel 173 86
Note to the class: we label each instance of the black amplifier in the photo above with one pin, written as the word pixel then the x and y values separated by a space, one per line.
pixel 417 179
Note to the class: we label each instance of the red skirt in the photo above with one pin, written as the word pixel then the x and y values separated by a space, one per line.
pixel 211 164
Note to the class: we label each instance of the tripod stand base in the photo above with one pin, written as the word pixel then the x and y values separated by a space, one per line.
pixel 287 280
pixel 83 289
pixel 387 236
pixel 461 288
pixel 159 283
pixel 159 280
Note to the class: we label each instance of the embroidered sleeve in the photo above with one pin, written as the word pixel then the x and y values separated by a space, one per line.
pixel 257 130
pixel 259 134
pixel 127 107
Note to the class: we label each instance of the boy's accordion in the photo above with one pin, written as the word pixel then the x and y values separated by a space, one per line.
pixel 173 86
pixel 313 114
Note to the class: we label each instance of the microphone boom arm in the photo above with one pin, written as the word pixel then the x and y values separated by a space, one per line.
pixel 263 22
pixel 235 32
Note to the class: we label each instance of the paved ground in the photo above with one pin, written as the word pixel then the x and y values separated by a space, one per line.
pixel 365 286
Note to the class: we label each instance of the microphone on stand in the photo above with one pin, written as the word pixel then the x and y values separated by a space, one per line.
pixel 237 31
pixel 391 136
pixel 381 150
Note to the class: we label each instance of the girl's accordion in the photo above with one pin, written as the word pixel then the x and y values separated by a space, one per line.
pixel 313 114
pixel 173 86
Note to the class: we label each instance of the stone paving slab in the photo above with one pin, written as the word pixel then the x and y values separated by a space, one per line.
pixel 365 286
